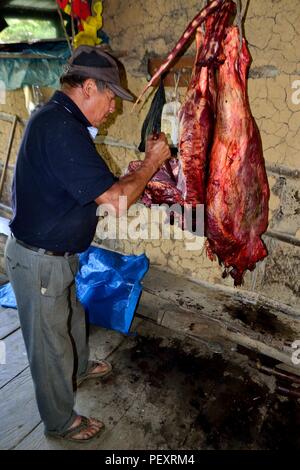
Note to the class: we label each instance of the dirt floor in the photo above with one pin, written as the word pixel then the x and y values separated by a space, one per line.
pixel 212 403
pixel 166 392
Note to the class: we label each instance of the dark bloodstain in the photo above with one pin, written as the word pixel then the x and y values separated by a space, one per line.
pixel 206 402
pixel 260 320
pixel 256 357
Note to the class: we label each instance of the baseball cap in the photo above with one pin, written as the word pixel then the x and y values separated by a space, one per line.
pixel 92 62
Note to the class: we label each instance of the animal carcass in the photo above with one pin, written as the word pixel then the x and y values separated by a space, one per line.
pixel 237 192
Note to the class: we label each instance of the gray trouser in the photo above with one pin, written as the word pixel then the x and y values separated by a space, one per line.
pixel 53 327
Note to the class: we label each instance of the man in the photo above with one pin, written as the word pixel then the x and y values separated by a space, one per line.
pixel 58 183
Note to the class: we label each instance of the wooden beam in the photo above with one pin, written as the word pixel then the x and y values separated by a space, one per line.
pixel 19 413
pixel 7 117
pixel 215 313
pixel 7 155
pixel 18 55
pixel 283 237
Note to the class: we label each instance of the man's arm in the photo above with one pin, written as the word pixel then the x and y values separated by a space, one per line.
pixel 133 185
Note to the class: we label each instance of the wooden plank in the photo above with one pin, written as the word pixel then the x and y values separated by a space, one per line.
pixel 151 309
pixel 6 117
pixel 18 411
pixel 103 343
pixel 284 237
pixel 108 403
pixel 16 358
pixel 192 293
pixel 21 55
pixel 9 321
pixel 134 412
pixel 283 171
pixel 210 312
pixel 210 329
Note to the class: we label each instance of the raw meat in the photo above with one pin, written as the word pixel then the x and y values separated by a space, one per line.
pixel 238 191
pixel 161 189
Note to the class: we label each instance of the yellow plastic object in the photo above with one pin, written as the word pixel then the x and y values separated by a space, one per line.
pixel 91 25
pixel 68 9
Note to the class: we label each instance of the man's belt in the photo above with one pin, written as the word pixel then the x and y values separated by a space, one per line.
pixel 42 250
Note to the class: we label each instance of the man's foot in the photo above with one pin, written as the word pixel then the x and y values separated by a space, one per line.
pixel 102 368
pixel 83 429
pixel 96 370
pixel 91 428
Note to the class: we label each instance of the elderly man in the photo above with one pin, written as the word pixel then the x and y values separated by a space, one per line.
pixel 59 181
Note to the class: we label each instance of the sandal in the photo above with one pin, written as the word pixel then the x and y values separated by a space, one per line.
pixel 68 435
pixel 95 375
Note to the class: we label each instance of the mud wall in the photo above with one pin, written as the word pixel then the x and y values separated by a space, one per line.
pixel 14 105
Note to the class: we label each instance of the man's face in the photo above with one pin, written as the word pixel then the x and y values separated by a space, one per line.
pixel 101 105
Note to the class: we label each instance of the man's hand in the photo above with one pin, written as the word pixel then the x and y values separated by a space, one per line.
pixel 157 150
pixel 132 186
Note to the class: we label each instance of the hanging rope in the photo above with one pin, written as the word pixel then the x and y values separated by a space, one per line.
pixel 241 12
pixel 245 9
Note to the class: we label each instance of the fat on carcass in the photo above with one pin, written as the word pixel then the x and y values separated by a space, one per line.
pixel 237 192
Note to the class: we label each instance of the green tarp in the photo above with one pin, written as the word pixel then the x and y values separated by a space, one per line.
pixel 17 71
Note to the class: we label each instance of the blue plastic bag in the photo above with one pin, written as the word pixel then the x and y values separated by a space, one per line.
pixel 7 296
pixel 109 286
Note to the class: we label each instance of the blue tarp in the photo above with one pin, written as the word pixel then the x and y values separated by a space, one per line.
pixel 108 285
pixel 7 296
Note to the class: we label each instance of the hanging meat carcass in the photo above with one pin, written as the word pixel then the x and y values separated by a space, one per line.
pixel 197 112
pixel 195 134
pixel 196 118
pixel 238 191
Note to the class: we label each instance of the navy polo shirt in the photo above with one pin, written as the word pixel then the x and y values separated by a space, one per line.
pixel 58 175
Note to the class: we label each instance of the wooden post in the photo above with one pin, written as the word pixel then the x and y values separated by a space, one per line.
pixel 10 141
